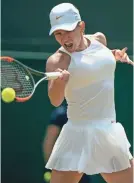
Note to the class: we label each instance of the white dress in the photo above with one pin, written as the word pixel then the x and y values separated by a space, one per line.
pixel 90 142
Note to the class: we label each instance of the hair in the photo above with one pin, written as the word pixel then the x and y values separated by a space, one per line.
pixel 79 25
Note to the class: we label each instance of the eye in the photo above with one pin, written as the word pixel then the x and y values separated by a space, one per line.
pixel 57 33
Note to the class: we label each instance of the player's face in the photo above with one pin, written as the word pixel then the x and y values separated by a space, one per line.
pixel 70 40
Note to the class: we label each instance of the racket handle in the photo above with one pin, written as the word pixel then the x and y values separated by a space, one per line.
pixel 52 75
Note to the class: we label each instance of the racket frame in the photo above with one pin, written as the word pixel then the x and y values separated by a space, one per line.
pixel 30 71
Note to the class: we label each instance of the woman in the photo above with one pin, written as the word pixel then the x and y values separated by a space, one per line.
pixel 90 142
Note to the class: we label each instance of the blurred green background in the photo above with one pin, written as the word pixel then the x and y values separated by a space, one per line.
pixel 24 35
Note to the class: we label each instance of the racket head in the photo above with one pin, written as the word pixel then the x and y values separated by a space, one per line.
pixel 15 75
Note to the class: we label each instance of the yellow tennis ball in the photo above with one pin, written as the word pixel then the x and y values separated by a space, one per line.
pixel 8 95
pixel 47 176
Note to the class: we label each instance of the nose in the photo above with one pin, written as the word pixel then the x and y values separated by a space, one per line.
pixel 66 36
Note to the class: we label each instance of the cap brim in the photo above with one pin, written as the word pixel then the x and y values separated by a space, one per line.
pixel 66 27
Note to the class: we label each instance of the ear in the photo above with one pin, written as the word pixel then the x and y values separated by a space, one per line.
pixel 82 26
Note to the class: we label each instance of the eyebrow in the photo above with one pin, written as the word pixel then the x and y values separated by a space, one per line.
pixel 57 32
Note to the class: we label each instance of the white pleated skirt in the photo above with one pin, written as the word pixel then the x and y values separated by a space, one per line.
pixel 91 147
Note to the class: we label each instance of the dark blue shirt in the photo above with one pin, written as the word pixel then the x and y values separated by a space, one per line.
pixel 59 116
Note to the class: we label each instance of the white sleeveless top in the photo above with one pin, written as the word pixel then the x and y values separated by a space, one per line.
pixel 90 90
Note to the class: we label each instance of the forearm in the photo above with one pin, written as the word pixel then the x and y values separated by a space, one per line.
pixel 48 149
pixel 114 51
pixel 52 133
pixel 56 93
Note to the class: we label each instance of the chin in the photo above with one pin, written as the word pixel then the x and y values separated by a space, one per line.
pixel 71 50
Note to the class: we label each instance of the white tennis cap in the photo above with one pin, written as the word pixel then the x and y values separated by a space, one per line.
pixel 65 17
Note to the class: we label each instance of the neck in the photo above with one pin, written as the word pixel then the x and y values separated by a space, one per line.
pixel 84 43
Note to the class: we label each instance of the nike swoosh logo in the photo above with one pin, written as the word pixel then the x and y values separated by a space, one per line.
pixel 59 17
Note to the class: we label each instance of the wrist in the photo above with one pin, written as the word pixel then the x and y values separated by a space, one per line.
pixel 114 53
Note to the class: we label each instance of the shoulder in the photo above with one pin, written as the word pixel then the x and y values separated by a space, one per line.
pixel 57 60
pixel 99 36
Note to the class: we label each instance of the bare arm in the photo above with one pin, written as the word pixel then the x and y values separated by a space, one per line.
pixel 56 88
pixel 120 55
pixel 52 133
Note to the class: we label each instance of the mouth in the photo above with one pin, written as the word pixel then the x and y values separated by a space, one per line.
pixel 68 45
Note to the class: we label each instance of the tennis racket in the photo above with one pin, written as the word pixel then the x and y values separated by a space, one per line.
pixel 20 77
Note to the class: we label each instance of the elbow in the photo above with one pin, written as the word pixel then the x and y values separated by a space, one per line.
pixel 56 103
pixel 56 98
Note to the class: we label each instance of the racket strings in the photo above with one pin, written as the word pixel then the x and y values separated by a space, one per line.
pixel 15 76
pixel 10 79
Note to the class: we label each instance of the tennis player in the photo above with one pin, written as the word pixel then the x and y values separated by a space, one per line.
pixel 58 119
pixel 89 142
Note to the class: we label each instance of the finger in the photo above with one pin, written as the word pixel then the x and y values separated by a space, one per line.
pixel 61 76
pixel 124 50
pixel 60 70
pixel 64 71
pixel 118 54
pixel 122 53
pixel 125 58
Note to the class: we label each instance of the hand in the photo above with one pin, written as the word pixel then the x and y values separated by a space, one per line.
pixel 64 76
pixel 122 56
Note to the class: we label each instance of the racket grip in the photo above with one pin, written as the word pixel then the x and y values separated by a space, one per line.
pixel 52 75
